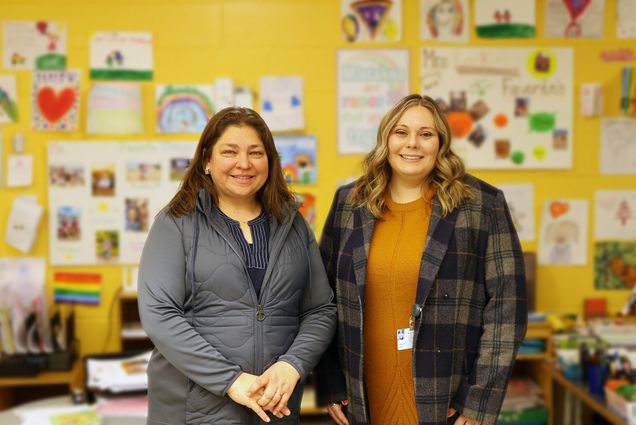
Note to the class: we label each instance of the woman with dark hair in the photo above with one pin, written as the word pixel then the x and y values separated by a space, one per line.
pixel 429 281
pixel 232 290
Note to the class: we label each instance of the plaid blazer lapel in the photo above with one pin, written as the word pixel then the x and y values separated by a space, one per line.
pixel 440 230
pixel 364 223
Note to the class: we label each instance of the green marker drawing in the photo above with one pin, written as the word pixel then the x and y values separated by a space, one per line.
pixel 517 157
pixel 542 122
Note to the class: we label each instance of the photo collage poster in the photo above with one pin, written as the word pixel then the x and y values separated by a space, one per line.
pixel 104 195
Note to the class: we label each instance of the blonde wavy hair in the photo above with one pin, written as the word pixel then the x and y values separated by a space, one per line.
pixel 447 174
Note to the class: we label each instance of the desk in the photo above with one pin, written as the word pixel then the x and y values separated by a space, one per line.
pixel 596 403
pixel 71 379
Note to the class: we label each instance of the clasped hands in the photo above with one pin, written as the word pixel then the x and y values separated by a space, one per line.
pixel 270 391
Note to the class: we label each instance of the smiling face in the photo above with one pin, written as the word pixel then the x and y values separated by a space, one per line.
pixel 413 146
pixel 238 164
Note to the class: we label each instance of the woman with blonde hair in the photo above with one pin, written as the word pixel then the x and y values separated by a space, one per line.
pixel 429 281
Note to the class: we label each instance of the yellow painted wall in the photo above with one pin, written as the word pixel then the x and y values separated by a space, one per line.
pixel 197 41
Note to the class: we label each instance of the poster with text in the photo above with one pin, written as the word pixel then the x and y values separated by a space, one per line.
pixel 183 108
pixel 121 56
pixel 615 215
pixel 563 234
pixel 55 100
pixel 115 108
pixel 574 18
pixel 520 199
pixel 370 82
pixel 444 20
pixel 8 99
pixel 297 157
pixel 505 18
pixel 371 20
pixel 103 196
pixel 626 19
pixel 615 265
pixel 34 45
pixel 508 108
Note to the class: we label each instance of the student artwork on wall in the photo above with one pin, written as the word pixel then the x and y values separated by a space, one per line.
pixel 115 108
pixel 626 19
pixel 563 236
pixel 505 18
pixel 297 157
pixel 8 99
pixel 371 20
pixel 574 18
pixel 55 100
pixel 615 265
pixel 370 82
pixel 282 103
pixel 507 107
pixel 520 199
pixel 307 208
pixel 618 150
pixel 444 20
pixel 183 108
pixel 615 215
pixel 77 287
pixel 103 196
pixel 121 56
pixel 34 45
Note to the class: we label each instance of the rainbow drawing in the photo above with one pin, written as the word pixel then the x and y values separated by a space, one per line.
pixel 183 109
pixel 77 288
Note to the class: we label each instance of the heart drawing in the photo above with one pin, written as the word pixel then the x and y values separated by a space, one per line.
pixel 54 106
pixel 557 209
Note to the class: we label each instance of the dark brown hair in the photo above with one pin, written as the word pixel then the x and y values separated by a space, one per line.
pixel 275 196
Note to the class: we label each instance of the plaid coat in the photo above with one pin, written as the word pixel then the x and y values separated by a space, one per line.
pixel 472 291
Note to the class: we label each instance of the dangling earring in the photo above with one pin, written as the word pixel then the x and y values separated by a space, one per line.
pixel 207 170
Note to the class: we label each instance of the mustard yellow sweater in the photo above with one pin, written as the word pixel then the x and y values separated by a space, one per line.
pixel 394 261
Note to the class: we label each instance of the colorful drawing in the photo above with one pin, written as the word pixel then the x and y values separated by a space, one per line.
pixel 115 108
pixel 34 45
pixel 297 157
pixel 371 20
pixel 444 20
pixel 307 207
pixel 121 56
pixel 615 265
pixel 563 232
pixel 615 215
pixel 56 100
pixel 184 109
pixel 8 99
pixel 505 19
pixel 77 288
pixel 574 18
pixel 507 108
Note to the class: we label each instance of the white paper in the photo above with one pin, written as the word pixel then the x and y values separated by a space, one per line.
pixel 115 108
pixel 20 170
pixel 580 20
pixel 243 97
pixel 520 199
pixel 282 103
pixel 224 93
pixel 615 215
pixel 23 224
pixel 29 45
pixel 505 18
pixel 563 237
pixel 42 415
pixel 121 56
pixel 626 19
pixel 444 20
pixel 118 375
pixel 591 100
pixel 618 146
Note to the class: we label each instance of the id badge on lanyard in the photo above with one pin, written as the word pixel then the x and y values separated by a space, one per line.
pixel 404 336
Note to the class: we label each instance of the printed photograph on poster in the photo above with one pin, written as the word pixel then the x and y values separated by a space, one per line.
pixel 370 82
pixel 34 45
pixel 56 97
pixel 121 56
pixel 115 108
pixel 103 179
pixel 444 20
pixel 282 103
pixel 371 20
pixel 307 203
pixel 615 215
pixel 505 19
pixel 614 265
pixel 184 108
pixel 618 150
pixel 508 108
pixel 574 18
pixel 563 235
pixel 626 19
pixel 63 175
pixel 520 199
pixel 125 186
pixel 297 157
pixel 8 99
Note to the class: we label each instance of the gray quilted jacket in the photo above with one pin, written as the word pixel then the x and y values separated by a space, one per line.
pixel 199 307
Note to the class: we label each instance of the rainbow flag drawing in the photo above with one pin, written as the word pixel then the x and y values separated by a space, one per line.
pixel 77 288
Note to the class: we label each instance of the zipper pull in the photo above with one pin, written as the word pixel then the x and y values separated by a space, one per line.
pixel 260 314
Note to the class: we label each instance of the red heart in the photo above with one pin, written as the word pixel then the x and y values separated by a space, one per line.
pixel 42 27
pixel 54 106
